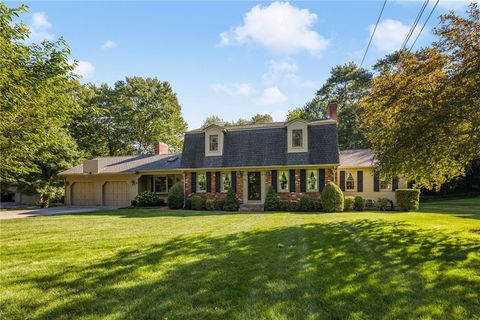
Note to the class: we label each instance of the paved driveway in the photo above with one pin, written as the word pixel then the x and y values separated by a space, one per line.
pixel 24 213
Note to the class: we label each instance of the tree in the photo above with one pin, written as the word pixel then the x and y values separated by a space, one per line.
pixel 214 120
pixel 346 85
pixel 261 118
pixel 256 119
pixel 36 89
pixel 423 116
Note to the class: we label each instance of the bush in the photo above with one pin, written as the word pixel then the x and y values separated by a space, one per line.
pixel 349 203
pixel 317 206
pixel 219 204
pixel 210 204
pixel 272 202
pixel 293 205
pixel 284 205
pixel 231 201
pixel 382 204
pixel 359 203
pixel 305 203
pixel 188 203
pixel 147 199
pixel 407 199
pixel 332 198
pixel 176 196
pixel 196 203
pixel 134 203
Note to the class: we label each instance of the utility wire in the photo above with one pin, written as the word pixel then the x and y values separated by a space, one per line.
pixel 373 33
pixel 414 25
pixel 418 35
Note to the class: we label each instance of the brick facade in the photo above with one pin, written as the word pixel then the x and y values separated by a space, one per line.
pixel 213 195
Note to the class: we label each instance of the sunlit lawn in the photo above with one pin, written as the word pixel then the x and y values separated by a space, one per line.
pixel 150 264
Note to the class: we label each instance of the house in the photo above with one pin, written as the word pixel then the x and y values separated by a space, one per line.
pixel 297 157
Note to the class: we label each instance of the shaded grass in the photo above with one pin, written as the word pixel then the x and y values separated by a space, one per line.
pixel 204 265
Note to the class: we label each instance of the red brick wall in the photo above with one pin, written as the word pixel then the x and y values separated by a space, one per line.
pixel 212 195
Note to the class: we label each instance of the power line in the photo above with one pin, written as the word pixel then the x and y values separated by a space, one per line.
pixel 414 25
pixel 373 33
pixel 418 35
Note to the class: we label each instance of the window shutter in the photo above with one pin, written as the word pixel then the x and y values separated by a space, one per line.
pixel 217 181
pixel 342 180
pixel 234 181
pixel 292 180
pixel 151 185
pixel 394 184
pixel 274 180
pixel 360 181
pixel 303 180
pixel 194 181
pixel 321 179
pixel 209 182
pixel 376 183
pixel 410 184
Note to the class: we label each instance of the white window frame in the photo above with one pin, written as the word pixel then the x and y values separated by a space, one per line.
pixel 222 180
pixel 287 175
pixel 315 172
pixel 347 175
pixel 198 181
pixel 167 185
pixel 389 184
pixel 210 142
pixel 301 146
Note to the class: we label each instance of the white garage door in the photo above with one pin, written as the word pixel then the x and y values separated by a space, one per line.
pixel 82 194
pixel 115 193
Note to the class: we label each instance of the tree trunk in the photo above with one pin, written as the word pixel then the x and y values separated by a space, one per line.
pixel 44 201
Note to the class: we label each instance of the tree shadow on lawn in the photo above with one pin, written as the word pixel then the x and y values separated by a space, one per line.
pixel 358 270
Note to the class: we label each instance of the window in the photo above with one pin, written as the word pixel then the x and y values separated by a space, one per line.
pixel 201 182
pixel 160 184
pixel 312 180
pixel 213 142
pixel 385 185
pixel 350 182
pixel 297 138
pixel 283 181
pixel 226 181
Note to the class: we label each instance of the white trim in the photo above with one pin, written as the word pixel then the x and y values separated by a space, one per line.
pixel 197 182
pixel 316 182
pixel 279 173
pixel 347 174
pixel 222 174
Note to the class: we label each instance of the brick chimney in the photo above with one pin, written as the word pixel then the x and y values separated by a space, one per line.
pixel 161 148
pixel 332 111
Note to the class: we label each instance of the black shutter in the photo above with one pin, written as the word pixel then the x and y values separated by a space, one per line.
pixel 342 180
pixel 376 183
pixel 209 182
pixel 359 181
pixel 292 180
pixel 217 181
pixel 394 184
pixel 194 181
pixel 303 180
pixel 151 185
pixel 321 179
pixel 234 181
pixel 274 180
pixel 410 184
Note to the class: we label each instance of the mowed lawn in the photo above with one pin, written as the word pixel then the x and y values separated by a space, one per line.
pixel 151 264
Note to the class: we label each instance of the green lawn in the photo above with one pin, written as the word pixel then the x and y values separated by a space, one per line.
pixel 150 264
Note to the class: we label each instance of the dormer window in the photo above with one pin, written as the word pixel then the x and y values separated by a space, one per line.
pixel 297 138
pixel 213 142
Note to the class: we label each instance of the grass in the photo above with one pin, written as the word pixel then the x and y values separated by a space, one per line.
pixel 150 264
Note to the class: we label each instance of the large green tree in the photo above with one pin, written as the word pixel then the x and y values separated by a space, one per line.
pixel 36 90
pixel 255 119
pixel 423 115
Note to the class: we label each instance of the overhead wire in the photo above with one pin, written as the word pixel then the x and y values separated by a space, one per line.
pixel 414 25
pixel 373 33
pixel 425 23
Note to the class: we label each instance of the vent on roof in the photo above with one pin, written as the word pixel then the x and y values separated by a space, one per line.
pixel 172 159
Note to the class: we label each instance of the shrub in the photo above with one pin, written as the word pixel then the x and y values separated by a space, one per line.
pixel 407 199
pixel 175 196
pixel 293 205
pixel 359 203
pixel 272 202
pixel 332 198
pixel 349 203
pixel 210 204
pixel 196 203
pixel 382 204
pixel 284 205
pixel 219 204
pixel 147 199
pixel 188 203
pixel 134 203
pixel 231 201
pixel 317 206
pixel 305 203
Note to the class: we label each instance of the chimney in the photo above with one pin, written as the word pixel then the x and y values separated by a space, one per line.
pixel 332 111
pixel 161 148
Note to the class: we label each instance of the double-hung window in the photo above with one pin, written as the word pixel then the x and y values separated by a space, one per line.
pixel 201 182
pixel 312 180
pixel 213 142
pixel 297 138
pixel 385 185
pixel 283 181
pixel 350 182
pixel 226 181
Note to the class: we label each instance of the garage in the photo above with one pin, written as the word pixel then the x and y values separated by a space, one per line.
pixel 82 194
pixel 115 193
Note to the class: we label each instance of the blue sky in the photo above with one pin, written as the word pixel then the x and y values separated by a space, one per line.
pixel 231 59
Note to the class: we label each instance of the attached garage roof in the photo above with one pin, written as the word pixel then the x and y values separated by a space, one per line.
pixel 356 158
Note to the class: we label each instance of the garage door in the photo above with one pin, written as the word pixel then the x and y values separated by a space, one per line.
pixel 115 193
pixel 82 194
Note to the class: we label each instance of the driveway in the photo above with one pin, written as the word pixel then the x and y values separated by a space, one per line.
pixel 38 212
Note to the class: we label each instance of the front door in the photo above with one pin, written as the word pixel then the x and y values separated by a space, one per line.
pixel 254 186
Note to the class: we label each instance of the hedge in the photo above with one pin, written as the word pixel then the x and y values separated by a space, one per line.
pixel 407 199
pixel 332 198
pixel 349 201
pixel 175 196
pixel 359 203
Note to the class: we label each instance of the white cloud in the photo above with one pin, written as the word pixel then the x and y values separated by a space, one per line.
pixel 272 95
pixel 109 44
pixel 280 27
pixel 40 21
pixel 284 72
pixel 277 115
pixel 84 68
pixel 39 28
pixel 233 89
pixel 390 34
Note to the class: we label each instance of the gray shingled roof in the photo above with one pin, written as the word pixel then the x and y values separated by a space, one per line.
pixel 130 164
pixel 262 147
pixel 356 158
